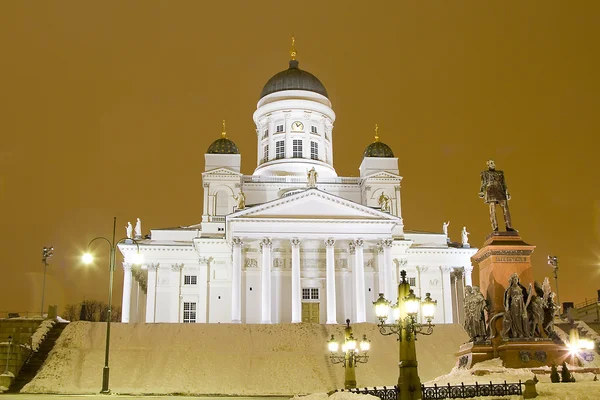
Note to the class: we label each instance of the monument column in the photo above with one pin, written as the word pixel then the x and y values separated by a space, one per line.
pixel 236 282
pixel 359 266
pixel 296 286
pixel 265 246
pixel 330 281
pixel 126 304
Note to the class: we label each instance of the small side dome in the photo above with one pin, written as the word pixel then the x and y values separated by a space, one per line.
pixel 223 145
pixel 377 148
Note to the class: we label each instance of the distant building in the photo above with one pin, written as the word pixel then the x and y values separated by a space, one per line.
pixel 293 241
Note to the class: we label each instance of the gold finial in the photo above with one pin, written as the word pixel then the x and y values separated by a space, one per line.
pixel 224 131
pixel 293 50
pixel 376 133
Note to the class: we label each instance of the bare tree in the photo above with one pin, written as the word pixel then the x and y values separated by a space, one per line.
pixel 71 312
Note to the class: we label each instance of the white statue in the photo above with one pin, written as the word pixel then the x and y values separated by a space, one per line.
pixel 445 228
pixel 312 178
pixel 138 229
pixel 129 229
pixel 465 236
pixel 241 200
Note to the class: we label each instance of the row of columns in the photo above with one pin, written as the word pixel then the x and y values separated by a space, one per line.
pixel 356 248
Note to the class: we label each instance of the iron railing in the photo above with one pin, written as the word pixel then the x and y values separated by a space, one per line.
pixel 461 391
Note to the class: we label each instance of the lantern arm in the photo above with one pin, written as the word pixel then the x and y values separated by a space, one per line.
pixel 338 359
pixel 423 329
pixel 361 358
pixel 390 329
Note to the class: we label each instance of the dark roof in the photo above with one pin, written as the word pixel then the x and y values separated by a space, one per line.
pixel 223 146
pixel 293 78
pixel 378 149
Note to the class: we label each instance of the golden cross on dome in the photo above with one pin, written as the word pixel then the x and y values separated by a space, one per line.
pixel 293 50
pixel 223 132
pixel 376 133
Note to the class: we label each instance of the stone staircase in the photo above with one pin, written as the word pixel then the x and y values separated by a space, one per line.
pixel 36 360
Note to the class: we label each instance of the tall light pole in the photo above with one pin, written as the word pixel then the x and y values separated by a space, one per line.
pixel 349 357
pixel 46 254
pixel 553 262
pixel 87 259
pixel 405 325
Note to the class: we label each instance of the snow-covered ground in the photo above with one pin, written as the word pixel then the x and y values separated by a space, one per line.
pixel 228 359
pixel 40 333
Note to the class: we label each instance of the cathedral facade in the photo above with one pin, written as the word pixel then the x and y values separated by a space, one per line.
pixel 292 242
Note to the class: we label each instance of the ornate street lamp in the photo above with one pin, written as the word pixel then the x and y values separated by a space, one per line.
pixel 405 325
pixel 352 353
pixel 553 262
pixel 46 254
pixel 88 258
pixel 8 354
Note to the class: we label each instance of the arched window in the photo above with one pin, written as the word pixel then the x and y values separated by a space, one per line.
pixel 223 205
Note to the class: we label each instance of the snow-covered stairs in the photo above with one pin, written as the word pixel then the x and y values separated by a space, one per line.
pixel 37 359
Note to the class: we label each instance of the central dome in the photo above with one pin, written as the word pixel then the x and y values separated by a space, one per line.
pixel 293 78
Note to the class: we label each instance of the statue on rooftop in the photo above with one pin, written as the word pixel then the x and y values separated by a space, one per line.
pixel 493 190
pixel 385 202
pixel 241 200
pixel 312 178
pixel 445 228
pixel 138 229
pixel 464 236
pixel 129 230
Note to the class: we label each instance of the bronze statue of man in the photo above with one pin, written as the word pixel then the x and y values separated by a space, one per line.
pixel 493 191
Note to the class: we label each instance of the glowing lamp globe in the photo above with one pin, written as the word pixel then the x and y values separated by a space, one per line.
pixel 382 307
pixel 138 259
pixel 428 307
pixel 411 304
pixel 87 258
pixel 333 345
pixel 351 343
pixel 396 312
pixel 365 345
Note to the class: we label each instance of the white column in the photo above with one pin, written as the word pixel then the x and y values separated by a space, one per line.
pixel 359 266
pixel 468 279
pixel 296 287
pixel 205 187
pixel 176 291
pixel 380 269
pixel 151 292
pixel 265 246
pixel 126 304
pixel 236 282
pixel 446 294
pixel 391 291
pixel 330 281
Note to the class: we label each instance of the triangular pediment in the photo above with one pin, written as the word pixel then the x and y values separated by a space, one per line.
pixel 313 204
pixel 382 175
pixel 221 172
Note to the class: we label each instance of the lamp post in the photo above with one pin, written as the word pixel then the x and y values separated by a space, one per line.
pixel 349 356
pixel 405 325
pixel 553 262
pixel 87 259
pixel 46 253
pixel 8 354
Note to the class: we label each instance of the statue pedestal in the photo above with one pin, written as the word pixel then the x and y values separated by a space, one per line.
pixel 502 254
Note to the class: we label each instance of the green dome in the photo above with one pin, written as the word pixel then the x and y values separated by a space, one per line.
pixel 223 146
pixel 293 78
pixel 378 149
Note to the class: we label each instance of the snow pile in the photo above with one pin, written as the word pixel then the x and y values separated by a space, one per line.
pixel 40 334
pixel 336 396
pixel 589 332
pixel 228 359
pixel 60 319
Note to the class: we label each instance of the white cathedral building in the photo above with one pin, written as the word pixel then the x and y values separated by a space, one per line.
pixel 292 242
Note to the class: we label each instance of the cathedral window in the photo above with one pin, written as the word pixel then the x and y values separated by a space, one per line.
pixel 297 148
pixel 313 129
pixel 412 281
pixel 266 134
pixel 190 280
pixel 265 153
pixel 310 293
pixel 189 312
pixel 279 129
pixel 314 150
pixel 279 149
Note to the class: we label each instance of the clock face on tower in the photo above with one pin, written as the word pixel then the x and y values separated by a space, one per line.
pixel 297 126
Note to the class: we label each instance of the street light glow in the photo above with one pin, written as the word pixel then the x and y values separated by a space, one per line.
pixel 333 345
pixel 382 307
pixel 428 307
pixel 365 345
pixel 137 258
pixel 87 258
pixel 411 304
